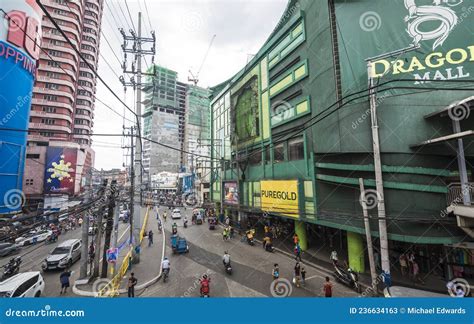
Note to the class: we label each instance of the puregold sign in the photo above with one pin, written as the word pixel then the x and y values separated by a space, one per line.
pixel 280 196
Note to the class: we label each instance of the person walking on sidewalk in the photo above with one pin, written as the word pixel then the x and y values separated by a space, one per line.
pixel 150 238
pixel 297 272
pixel 132 282
pixel 296 239
pixel 64 279
pixel 327 288
pixel 276 272
pixel 403 264
pixel 298 252
pixel 303 276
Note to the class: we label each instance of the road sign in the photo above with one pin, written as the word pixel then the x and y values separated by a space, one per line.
pixel 112 255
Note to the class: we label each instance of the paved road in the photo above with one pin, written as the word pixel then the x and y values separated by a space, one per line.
pixel 33 256
pixel 252 267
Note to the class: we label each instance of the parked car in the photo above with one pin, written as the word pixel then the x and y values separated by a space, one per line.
pixel 32 237
pixel 176 214
pixel 25 284
pixel 63 256
pixel 7 249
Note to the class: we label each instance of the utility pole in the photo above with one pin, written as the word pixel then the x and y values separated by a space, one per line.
pixel 138 52
pixel 109 226
pixel 85 230
pixel 116 226
pixel 384 254
pixel 133 238
pixel 98 235
pixel 370 247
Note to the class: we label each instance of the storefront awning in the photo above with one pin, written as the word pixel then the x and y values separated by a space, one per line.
pixel 468 102
pixel 443 139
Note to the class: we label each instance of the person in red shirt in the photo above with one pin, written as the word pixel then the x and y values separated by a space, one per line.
pixel 327 288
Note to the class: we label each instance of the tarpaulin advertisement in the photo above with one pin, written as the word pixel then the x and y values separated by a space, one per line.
pixel 231 194
pixel 20 34
pixel 60 173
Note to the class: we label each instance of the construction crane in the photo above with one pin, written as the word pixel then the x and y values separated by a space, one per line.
pixel 195 77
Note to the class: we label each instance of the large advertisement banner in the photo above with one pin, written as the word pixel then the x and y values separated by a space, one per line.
pixel 60 173
pixel 231 194
pixel 20 35
pixel 443 30
pixel 280 196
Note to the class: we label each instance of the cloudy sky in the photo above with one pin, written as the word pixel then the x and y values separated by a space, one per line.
pixel 184 29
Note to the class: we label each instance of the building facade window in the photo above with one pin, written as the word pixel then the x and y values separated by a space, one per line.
pixel 279 153
pixel 296 149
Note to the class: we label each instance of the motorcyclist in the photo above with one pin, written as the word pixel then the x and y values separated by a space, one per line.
pixel 165 265
pixel 226 258
pixel 160 226
pixel 164 216
pixel 185 221
pixel 334 258
pixel 174 228
pixel 205 288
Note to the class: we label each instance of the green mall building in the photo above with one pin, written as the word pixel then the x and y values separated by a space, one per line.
pixel 292 133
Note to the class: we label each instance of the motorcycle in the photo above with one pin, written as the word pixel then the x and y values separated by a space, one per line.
pixel 228 268
pixel 166 273
pixel 205 289
pixel 269 247
pixel 52 239
pixel 11 268
pixel 347 277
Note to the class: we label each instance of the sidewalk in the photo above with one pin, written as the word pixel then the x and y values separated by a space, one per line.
pixel 320 257
pixel 147 271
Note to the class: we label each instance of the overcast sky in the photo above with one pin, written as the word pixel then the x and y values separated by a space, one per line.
pixel 184 29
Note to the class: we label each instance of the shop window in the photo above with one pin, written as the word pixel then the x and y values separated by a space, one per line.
pixel 278 153
pixel 255 157
pixel 296 149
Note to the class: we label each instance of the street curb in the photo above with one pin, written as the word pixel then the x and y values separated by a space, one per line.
pixel 147 284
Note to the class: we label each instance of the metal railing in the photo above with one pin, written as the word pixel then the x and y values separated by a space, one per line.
pixel 455 193
pixel 113 287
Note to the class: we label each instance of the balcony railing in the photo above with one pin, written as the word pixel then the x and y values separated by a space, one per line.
pixel 455 193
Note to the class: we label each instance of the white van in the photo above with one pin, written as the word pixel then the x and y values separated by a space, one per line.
pixel 25 284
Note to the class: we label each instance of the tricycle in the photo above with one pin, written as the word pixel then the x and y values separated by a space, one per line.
pixel 179 244
pixel 212 223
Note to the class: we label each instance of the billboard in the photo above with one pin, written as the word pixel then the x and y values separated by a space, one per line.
pixel 19 50
pixel 280 196
pixel 60 172
pixel 442 29
pixel 231 193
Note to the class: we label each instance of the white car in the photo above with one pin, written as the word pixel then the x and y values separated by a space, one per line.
pixel 25 284
pixel 176 214
pixel 33 237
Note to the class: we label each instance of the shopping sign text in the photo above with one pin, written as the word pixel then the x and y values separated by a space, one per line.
pixel 24 33
pixel 455 57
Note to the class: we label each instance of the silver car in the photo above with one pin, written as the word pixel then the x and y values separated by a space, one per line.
pixel 63 256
